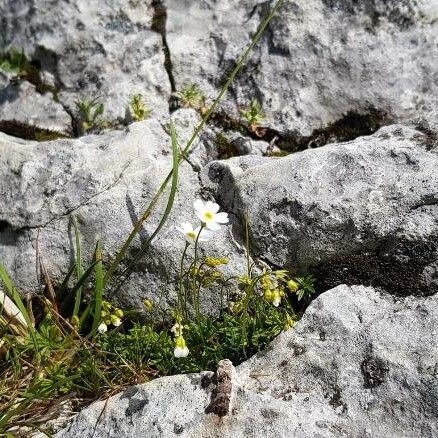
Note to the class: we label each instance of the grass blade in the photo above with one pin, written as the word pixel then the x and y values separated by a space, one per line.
pixel 98 287
pixel 14 295
pixel 78 296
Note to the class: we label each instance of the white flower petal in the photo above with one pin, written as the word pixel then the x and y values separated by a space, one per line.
pixel 186 226
pixel 212 225
pixel 212 207
pixel 200 215
pixel 181 352
pixel 198 205
pixel 116 322
pixel 102 328
pixel 221 218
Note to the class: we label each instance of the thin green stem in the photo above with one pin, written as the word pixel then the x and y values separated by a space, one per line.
pixel 182 306
pixel 195 262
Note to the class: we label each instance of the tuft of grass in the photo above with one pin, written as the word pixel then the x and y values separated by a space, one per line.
pixel 253 115
pixel 89 113
pixel 137 108
pixel 15 63
pixel 191 96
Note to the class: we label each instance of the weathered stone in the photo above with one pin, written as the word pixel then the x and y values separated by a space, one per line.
pixel 321 61
pixel 359 212
pixel 105 181
pixel 21 104
pixel 94 49
pixel 359 364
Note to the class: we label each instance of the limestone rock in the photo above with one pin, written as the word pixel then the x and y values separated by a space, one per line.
pixel 106 181
pixel 20 102
pixel 363 212
pixel 94 49
pixel 320 62
pixel 359 364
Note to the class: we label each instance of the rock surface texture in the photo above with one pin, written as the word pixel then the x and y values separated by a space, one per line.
pixel 359 364
pixel 363 212
pixel 105 181
pixel 322 64
pixel 360 212
pixel 325 70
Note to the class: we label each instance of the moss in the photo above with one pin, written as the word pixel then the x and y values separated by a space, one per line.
pixel 29 132
pixel 279 153
pixel 397 267
pixel 224 147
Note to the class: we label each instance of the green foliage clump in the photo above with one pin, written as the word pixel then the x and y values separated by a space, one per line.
pixel 77 346
pixel 89 112
pixel 138 110
pixel 253 115
pixel 191 96
pixel 15 63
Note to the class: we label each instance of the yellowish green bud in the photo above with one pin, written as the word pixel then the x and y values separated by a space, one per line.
pixel 268 295
pixel 215 261
pixel 292 285
pixel 148 304
pixel 75 321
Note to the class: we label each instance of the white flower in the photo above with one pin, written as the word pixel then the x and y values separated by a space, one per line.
pixel 177 329
pixel 181 349
pixel 102 328
pixel 192 234
pixel 276 298
pixel 115 320
pixel 208 214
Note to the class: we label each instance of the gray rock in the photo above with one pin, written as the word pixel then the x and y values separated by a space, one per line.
pixel 98 49
pixel 106 181
pixel 359 364
pixel 321 62
pixel 20 102
pixel 326 70
pixel 359 212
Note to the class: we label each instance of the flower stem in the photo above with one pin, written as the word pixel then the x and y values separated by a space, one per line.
pixel 194 289
pixel 182 298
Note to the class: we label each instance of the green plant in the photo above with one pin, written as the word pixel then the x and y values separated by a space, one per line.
pixel 191 96
pixel 138 109
pixel 253 115
pixel 15 62
pixel 67 351
pixel 89 112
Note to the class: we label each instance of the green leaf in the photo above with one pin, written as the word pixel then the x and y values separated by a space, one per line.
pixel 15 296
pixel 98 288
pixel 78 263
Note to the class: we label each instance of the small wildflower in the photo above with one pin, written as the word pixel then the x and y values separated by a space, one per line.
pixel 181 349
pixel 102 328
pixel 192 234
pixel 208 214
pixel 276 298
pixel 115 320
pixel 148 304
pixel 177 329
pixel 118 312
pixel 292 285
pixel 215 261
pixel 268 295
